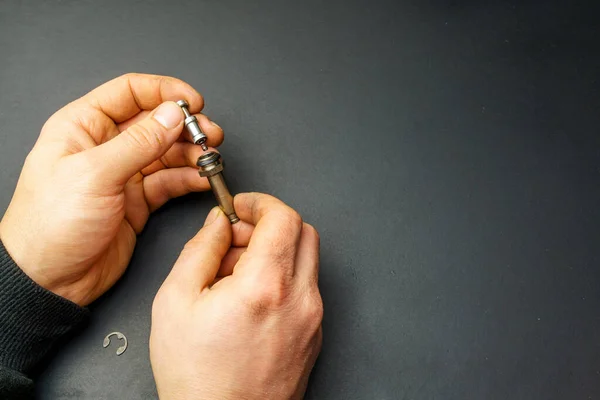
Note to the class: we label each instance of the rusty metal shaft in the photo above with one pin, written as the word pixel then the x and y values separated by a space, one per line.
pixel 211 167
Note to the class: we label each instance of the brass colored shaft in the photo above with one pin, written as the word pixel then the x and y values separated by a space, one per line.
pixel 224 198
pixel 211 167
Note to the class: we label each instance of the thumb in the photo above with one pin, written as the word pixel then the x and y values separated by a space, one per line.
pixel 138 146
pixel 199 262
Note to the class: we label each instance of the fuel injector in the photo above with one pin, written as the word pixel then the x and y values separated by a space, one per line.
pixel 191 123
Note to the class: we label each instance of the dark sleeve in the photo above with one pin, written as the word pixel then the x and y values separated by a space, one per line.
pixel 31 320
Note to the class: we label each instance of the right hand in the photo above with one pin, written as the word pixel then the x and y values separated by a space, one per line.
pixel 241 322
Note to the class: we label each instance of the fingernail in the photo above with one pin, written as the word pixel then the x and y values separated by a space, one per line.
pixel 212 216
pixel 168 115
pixel 215 124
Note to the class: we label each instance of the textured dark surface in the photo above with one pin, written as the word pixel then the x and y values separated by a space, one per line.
pixel 448 153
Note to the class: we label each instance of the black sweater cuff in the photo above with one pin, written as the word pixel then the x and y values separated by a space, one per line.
pixel 31 317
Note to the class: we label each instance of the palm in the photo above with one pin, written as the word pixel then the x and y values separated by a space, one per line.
pixel 121 236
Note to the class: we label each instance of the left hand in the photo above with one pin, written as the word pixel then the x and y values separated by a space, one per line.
pixel 101 165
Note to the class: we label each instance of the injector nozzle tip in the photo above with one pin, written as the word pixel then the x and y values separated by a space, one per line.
pixel 182 103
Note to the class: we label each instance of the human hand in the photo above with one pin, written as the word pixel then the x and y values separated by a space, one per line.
pixel 100 166
pixel 240 322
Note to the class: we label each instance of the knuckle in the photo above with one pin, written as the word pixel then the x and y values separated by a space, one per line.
pixel 267 294
pixel 314 308
pixel 128 75
pixel 142 138
pixel 162 81
pixel 272 293
pixel 277 293
pixel 311 232
pixel 295 220
pixel 187 184
pixel 162 185
pixel 289 220
pixel 132 76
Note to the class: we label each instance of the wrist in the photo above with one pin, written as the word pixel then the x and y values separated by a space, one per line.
pixel 15 244
pixel 35 319
pixel 31 262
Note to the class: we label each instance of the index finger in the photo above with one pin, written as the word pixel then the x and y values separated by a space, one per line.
pixel 127 95
pixel 277 228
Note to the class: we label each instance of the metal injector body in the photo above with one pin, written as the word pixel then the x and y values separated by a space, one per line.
pixel 191 123
pixel 211 167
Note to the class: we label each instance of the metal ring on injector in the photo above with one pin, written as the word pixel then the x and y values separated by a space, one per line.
pixel 211 167
pixel 191 123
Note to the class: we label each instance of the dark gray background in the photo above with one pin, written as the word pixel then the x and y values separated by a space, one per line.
pixel 447 151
